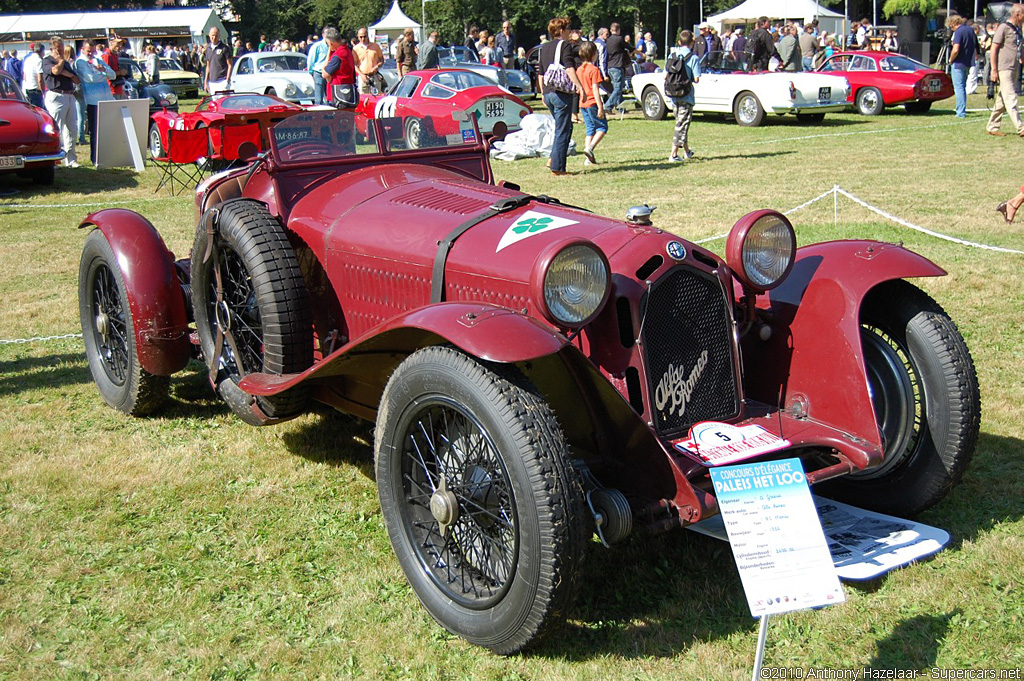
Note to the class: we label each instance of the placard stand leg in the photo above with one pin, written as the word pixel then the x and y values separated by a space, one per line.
pixel 762 634
pixel 133 141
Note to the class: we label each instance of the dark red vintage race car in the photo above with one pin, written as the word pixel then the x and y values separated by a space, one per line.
pixel 536 372
pixel 215 111
pixel 881 79
pixel 29 140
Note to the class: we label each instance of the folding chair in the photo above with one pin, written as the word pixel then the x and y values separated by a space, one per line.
pixel 233 136
pixel 184 159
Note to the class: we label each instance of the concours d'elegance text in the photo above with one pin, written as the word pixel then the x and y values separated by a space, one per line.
pixel 868 673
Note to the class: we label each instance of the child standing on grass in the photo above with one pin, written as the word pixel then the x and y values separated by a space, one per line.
pixel 591 104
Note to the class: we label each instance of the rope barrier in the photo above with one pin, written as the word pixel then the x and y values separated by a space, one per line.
pixel 38 339
pixel 837 191
pixel 83 205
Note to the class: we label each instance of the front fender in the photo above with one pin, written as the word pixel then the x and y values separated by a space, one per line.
pixel 491 333
pixel 813 363
pixel 155 298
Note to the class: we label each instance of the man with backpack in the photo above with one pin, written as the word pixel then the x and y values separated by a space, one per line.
pixel 682 71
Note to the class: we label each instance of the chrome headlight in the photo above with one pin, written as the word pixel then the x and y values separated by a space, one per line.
pixel 289 90
pixel 152 100
pixel 307 89
pixel 761 249
pixel 571 283
pixel 171 98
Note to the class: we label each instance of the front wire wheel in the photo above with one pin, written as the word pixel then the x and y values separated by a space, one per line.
pixel 483 506
pixel 925 394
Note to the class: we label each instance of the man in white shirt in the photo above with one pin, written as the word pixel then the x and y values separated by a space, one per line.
pixel 32 75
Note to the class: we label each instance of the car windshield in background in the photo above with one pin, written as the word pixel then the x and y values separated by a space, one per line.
pixel 459 54
pixel 247 102
pixel 136 72
pixel 320 136
pixel 460 80
pixel 282 62
pixel 9 89
pixel 726 61
pixel 900 63
pixel 167 64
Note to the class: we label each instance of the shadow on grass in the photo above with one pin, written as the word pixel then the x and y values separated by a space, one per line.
pixel 334 439
pixel 86 181
pixel 913 643
pixel 787 121
pixel 51 371
pixel 665 165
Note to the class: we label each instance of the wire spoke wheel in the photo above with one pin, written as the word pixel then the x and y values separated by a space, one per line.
pixel 110 329
pixel 237 314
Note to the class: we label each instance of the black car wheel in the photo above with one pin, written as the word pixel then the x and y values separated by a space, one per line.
pixel 109 333
pixel 156 145
pixel 747 110
pixel 484 509
pixel 924 390
pixel 654 104
pixel 869 101
pixel 261 314
pixel 918 107
pixel 415 135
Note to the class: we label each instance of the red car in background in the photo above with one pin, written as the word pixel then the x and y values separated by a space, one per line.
pixel 214 111
pixel 881 79
pixel 422 98
pixel 29 139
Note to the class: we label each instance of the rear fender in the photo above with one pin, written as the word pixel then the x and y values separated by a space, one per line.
pixel 155 298
pixel 813 363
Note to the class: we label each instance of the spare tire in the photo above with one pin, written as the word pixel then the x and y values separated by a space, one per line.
pixel 263 310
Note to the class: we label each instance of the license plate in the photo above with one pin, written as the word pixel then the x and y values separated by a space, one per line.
pixel 8 162
pixel 494 109
pixel 934 85
pixel 824 94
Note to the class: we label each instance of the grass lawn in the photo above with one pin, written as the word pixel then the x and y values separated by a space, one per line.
pixel 190 544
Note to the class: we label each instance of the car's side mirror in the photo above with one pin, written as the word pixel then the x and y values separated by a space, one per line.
pixel 247 151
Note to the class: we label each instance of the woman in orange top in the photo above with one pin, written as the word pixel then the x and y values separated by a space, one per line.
pixel 591 104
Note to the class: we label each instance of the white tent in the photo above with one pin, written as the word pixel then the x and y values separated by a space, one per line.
pixel 392 25
pixel 803 11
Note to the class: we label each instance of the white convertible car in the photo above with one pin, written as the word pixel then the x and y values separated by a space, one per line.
pixel 282 74
pixel 727 86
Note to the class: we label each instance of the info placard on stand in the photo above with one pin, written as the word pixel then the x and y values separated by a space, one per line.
pixel 777 540
pixel 121 126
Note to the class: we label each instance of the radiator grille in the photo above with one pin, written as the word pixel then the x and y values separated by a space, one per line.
pixel 688 347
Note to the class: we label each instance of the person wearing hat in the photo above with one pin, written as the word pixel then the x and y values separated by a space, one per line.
pixel 708 42
pixel 32 75
pixel 738 46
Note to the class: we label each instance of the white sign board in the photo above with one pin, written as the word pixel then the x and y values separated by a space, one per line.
pixel 776 539
pixel 864 544
pixel 122 125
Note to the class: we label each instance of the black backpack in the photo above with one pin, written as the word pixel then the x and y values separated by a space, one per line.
pixel 678 80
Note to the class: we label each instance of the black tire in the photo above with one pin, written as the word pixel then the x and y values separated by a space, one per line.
pixel 925 394
pixel 265 304
pixel 109 333
pixel 869 101
pixel 45 176
pixel 747 110
pixel 156 144
pixel 415 133
pixel 810 117
pixel 918 107
pixel 518 526
pixel 653 104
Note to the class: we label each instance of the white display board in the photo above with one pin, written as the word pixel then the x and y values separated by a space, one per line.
pixel 777 541
pixel 863 544
pixel 121 127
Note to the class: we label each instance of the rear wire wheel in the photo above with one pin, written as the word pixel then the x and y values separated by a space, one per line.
pixel 264 307
pixel 483 506
pixel 924 390
pixel 109 334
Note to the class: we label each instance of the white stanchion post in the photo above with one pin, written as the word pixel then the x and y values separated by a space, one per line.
pixel 762 635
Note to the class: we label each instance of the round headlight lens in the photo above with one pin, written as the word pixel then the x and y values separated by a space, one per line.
pixel 171 98
pixel 575 284
pixel 767 251
pixel 307 89
pixel 152 101
pixel 290 90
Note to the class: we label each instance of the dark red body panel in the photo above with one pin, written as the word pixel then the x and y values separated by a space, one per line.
pixel 816 324
pixel 154 290
pixel 22 133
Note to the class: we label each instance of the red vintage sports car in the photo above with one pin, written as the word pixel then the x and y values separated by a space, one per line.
pixel 537 373
pixel 214 111
pixel 29 139
pixel 881 79
pixel 433 95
